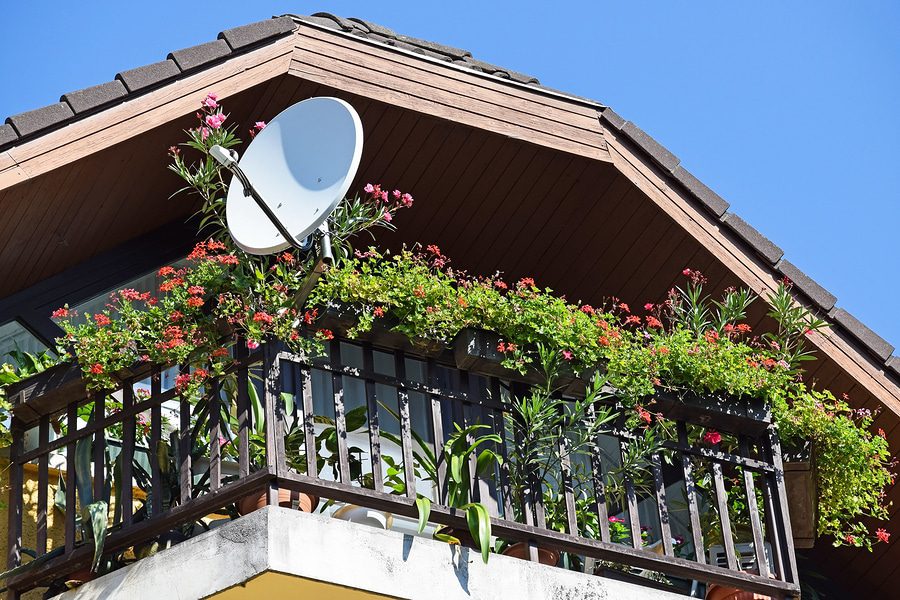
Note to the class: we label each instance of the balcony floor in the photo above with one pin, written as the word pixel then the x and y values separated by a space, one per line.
pixel 297 555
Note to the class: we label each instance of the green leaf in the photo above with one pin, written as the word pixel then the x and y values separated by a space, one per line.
pixel 356 418
pixel 479 521
pixel 424 506
pixel 456 465
pixel 94 517
pixel 83 480
pixel 288 399
pixel 259 419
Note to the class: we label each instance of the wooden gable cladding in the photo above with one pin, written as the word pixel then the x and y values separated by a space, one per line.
pixel 374 71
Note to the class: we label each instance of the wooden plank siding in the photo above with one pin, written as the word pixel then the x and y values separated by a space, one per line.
pixel 415 84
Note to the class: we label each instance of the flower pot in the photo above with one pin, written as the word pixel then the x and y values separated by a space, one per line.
pixel 726 413
pixel 364 516
pixel 802 494
pixel 545 555
pixel 286 498
pixel 715 591
pixel 476 350
pixel 465 538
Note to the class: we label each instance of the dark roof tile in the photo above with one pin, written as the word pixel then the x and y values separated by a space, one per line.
pixel 7 134
pixel 763 246
pixel 148 75
pixel 706 196
pixel 435 47
pixel 247 35
pixel 806 284
pixel 32 121
pixel 893 363
pixel 375 27
pixel 663 157
pixel 871 340
pixel 330 20
pixel 613 118
pixel 416 49
pixel 200 55
pixel 92 97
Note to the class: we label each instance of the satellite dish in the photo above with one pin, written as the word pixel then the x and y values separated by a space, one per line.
pixel 292 176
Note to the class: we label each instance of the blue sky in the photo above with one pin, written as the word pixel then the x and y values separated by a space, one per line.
pixel 787 109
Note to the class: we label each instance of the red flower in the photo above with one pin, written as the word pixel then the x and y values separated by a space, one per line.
pixel 603 340
pixel 712 336
pixel 195 302
pixel 462 302
pixel 252 344
pixel 166 271
pixel 587 309
pixel 219 352
pixel 686 272
pixel 325 334
pixel 526 282
pixel 500 285
pixel 743 328
pixel 96 369
pixel 501 347
pixel 378 311
pixel 632 320
pixel 883 535
pixel 850 539
pixel 712 437
pixel 200 374
pixel 624 307
pixel 644 414
pixel 102 320
pixel 310 316
pixel 419 292
pixel 196 290
pixel 433 249
pixel 663 350
pixel 60 313
pixel 406 200
pixel 648 306
pixel 653 322
pixel 286 257
pixel 181 381
pixel 881 433
pixel 262 317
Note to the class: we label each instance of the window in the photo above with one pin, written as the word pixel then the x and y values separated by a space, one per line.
pixel 14 336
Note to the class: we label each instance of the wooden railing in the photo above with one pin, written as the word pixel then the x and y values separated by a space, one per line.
pixel 258 426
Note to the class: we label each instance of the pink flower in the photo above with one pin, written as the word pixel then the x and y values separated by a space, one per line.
pixel 60 313
pixel 215 121
pixel 648 306
pixel 369 189
pixel 252 344
pixel 259 125
pixel 712 437
pixel 204 133
pixel 567 354
pixel 387 217
pixel 883 535
pixel 616 520
pixel 406 200
pixel 210 101
pixel 686 272
pixel 397 194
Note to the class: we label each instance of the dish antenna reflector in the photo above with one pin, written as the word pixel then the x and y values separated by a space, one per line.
pixel 292 176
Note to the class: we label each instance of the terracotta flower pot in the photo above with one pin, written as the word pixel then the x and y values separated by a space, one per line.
pixel 286 498
pixel 545 556
pixel 716 591
pixel 81 576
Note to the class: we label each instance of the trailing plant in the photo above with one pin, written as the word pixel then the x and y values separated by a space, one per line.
pixel 23 366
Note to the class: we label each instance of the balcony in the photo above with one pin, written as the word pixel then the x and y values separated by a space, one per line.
pixel 369 411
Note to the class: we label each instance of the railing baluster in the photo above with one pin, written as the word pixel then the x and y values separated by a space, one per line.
pixel 463 384
pixel 215 433
pixel 43 486
pixel 272 376
pixel 309 425
pixel 374 428
pixel 437 430
pixel 16 501
pixel 156 444
pixel 690 489
pixel 566 467
pixel 409 476
pixel 724 517
pixel 71 484
pixel 634 519
pixel 99 447
pixel 476 394
pixel 340 418
pixel 517 390
pixel 243 409
pixel 185 468
pixel 783 514
pixel 500 420
pixel 127 451
pixel 665 529
pixel 600 504
pixel 755 524
pixel 772 526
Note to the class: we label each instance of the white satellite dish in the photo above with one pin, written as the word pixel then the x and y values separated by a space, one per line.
pixel 292 176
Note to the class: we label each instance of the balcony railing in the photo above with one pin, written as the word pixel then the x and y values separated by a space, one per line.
pixel 259 425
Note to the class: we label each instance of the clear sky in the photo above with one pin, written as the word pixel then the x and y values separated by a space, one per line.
pixel 789 110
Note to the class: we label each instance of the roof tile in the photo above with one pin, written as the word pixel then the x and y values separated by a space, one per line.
pixel 92 97
pixel 416 49
pixel 32 121
pixel 806 284
pixel 613 118
pixel 148 75
pixel 706 196
pixel 375 27
pixel 893 363
pixel 663 157
pixel 7 134
pixel 763 246
pixel 330 20
pixel 435 47
pixel 871 340
pixel 247 35
pixel 200 55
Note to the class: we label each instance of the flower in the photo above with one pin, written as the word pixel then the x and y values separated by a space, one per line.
pixel 648 306
pixel 712 437
pixel 96 369
pixel 567 354
pixel 624 307
pixel 257 127
pixel 286 257
pixel 406 200
pixel 210 102
pixel 686 272
pixel 204 133
pixel 102 320
pixel 644 414
pixel 215 121
pixel 603 340
pixel 883 535
pixel 653 322
pixel 587 309
pixel 369 188
pixel 850 539
pixel 633 320
pixel 419 292
pixel 526 282
pixel 252 344
pixel 60 313
pixel 616 520
pixel 378 311
pixel 195 302
pixel 262 317
pixel 166 271
pixel 325 334
pixel 196 290
pixel 387 217
pixel 433 249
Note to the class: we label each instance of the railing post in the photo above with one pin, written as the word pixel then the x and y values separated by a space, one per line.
pixel 274 439
pixel 14 533
pixel 781 506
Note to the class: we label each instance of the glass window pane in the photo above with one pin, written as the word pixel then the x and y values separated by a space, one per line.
pixel 13 336
pixel 149 282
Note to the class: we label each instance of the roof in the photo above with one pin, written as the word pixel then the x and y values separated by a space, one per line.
pixel 128 84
